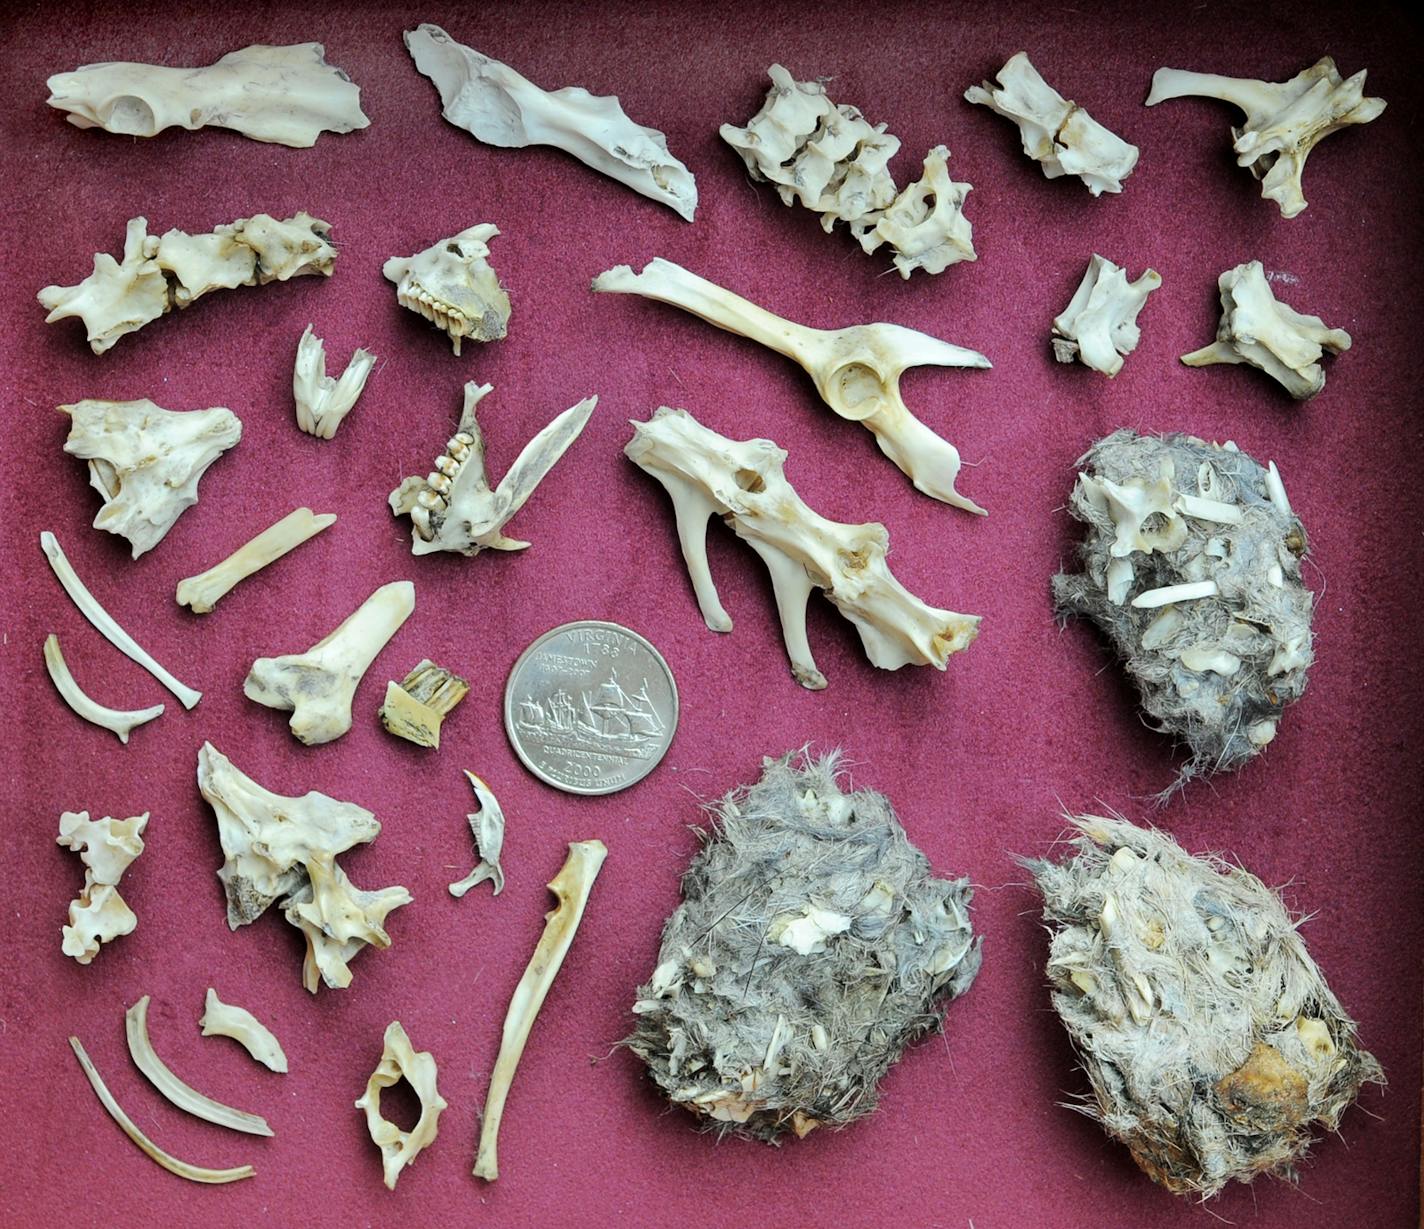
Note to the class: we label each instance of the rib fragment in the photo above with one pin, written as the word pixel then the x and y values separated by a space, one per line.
pixel 202 592
pixel 106 847
pixel 120 723
pixel 322 402
pixel 401 1061
pixel 1212 1044
pixel 857 370
pixel 221 1019
pixel 571 888
pixel 1099 325
pixel 707 474
pixel 487 827
pixel 188 1099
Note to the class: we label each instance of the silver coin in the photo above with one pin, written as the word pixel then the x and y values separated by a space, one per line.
pixel 590 707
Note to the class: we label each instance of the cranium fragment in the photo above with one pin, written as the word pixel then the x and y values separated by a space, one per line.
pixel 202 592
pixel 857 370
pixel 453 508
pixel 322 403
pixel 453 286
pixel 415 708
pixel 319 685
pixel 813 944
pixel 1191 568
pixel 285 95
pixel 106 847
pixel 571 888
pixel 177 269
pixel 1211 1041
pixel 1283 122
pixel 708 475
pixel 487 826
pixel 120 722
pixel 925 225
pixel 221 1019
pixel 401 1061
pixel 104 623
pixel 1099 325
pixel 499 107
pixel 1056 133
pixel 1257 329
pixel 146 461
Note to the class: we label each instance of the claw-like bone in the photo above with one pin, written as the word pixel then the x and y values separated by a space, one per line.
pixel 415 708
pixel 202 592
pixel 286 95
pixel 221 1019
pixel 318 685
pixel 487 825
pixel 707 474
pixel 401 1061
pixel 499 107
pixel 1283 121
pixel 322 403
pixel 106 847
pixel 460 512
pixel 194 1173
pixel 104 622
pixel 570 887
pixel 120 722
pixel 1099 325
pixel 857 370
pixel 182 1095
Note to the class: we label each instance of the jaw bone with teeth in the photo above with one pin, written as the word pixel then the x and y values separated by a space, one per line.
pixel 453 507
pixel 453 286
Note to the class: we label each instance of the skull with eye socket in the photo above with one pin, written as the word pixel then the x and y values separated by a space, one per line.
pixel 453 286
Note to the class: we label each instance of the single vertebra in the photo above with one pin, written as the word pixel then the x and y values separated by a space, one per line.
pixel 401 1061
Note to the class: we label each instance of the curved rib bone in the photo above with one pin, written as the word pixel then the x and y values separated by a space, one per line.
pixel 857 370
pixel 487 825
pixel 221 1019
pixel 709 475
pixel 322 403
pixel 104 622
pixel 318 685
pixel 571 887
pixel 202 592
pixel 121 723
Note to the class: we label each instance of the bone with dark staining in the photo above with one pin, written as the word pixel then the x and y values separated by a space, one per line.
pixel 415 708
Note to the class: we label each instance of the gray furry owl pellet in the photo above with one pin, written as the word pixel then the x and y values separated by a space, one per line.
pixel 812 946
pixel 1212 1043
pixel 1191 568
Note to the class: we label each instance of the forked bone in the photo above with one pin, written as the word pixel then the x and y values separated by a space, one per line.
pixel 571 887
pixel 453 508
pixel 857 370
pixel 401 1061
pixel 487 826
pixel 120 723
pixel 708 475
pixel 202 592
pixel 318 685
pixel 221 1019
pixel 323 402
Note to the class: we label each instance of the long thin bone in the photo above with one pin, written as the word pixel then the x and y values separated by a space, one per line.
pixel 570 887
pixel 119 721
pixel 194 1173
pixel 202 592
pixel 857 370
pixel 104 623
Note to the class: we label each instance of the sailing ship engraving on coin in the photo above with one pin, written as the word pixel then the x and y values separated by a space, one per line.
pixel 590 707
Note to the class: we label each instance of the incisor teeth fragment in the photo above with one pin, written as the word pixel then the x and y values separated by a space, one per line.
pixel 202 592
pixel 323 402
pixel 415 707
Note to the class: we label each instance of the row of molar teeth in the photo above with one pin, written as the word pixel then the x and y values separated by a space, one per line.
pixel 448 317
pixel 436 496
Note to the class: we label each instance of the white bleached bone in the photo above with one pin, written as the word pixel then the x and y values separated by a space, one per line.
pixel 925 225
pixel 415 708
pixel 1099 325
pixel 176 269
pixel 1056 133
pixel 1283 121
pixel 401 1061
pixel 708 475
pixel 284 95
pixel 453 508
pixel 185 1097
pixel 571 888
pixel 322 402
pixel 106 847
pixel 283 850
pixel 452 284
pixel 146 461
pixel 103 622
pixel 221 1019
pixel 487 826
pixel 499 107
pixel 120 722
pixel 1190 591
pixel 857 370
pixel 202 592
pixel 318 685
pixel 1257 329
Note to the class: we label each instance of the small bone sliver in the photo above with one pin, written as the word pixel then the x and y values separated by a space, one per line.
pixel 221 1019
pixel 202 592
pixel 118 721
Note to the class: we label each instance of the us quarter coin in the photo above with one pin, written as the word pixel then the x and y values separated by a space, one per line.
pixel 590 707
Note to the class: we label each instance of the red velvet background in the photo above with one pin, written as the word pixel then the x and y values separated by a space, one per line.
pixel 979 761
